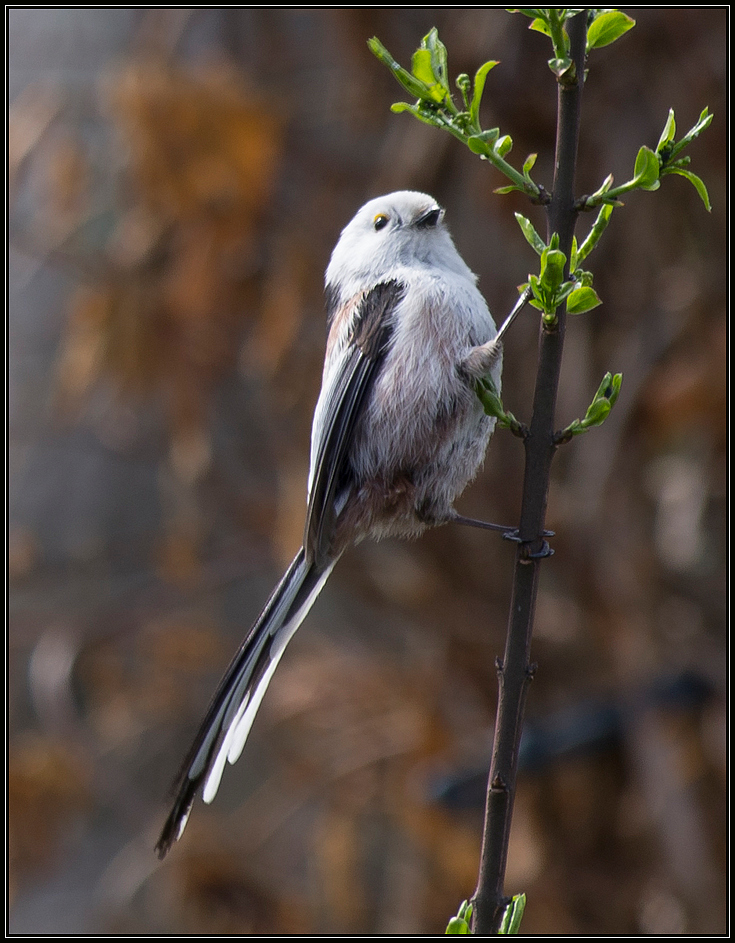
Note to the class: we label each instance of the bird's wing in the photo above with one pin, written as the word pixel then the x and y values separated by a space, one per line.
pixel 342 401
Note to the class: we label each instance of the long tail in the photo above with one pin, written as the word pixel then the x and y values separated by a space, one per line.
pixel 232 711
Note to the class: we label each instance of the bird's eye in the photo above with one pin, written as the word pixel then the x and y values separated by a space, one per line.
pixel 380 221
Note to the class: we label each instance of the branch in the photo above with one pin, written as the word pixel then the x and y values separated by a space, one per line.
pixel 515 670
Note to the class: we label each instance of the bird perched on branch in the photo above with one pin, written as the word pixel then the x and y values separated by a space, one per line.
pixel 398 433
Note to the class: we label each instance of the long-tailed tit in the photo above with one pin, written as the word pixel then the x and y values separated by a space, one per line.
pixel 398 433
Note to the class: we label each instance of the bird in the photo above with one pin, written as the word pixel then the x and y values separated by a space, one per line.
pixel 398 433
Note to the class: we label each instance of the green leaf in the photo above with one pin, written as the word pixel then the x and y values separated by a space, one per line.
pixel 531 12
pixel 491 402
pixel 532 237
pixel 552 269
pixel 598 227
pixel 667 135
pixel 528 165
pixel 438 53
pixel 512 916
pixel 541 26
pixel 543 298
pixel 581 300
pixel 607 27
pixel 538 295
pixel 504 145
pixel 480 77
pixel 421 67
pixel 695 181
pixel 605 398
pixel 565 290
pixel 646 172
pixel 493 406
pixel 704 121
pixel 597 413
pixel 461 923
pixel 613 390
pixel 599 409
pixel 602 190
pixel 483 142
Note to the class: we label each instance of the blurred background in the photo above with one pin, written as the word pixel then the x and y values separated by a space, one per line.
pixel 177 179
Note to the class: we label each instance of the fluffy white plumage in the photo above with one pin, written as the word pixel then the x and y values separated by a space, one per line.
pixel 398 433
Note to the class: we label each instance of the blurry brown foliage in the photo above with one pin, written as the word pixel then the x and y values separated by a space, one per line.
pixel 162 306
pixel 177 179
pixel 46 789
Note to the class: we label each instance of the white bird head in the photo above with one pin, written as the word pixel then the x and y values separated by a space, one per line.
pixel 399 231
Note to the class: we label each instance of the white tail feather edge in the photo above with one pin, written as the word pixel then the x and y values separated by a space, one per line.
pixel 239 728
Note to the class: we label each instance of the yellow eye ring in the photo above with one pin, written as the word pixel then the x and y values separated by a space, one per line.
pixel 380 221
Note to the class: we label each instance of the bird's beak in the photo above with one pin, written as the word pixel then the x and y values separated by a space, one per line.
pixel 430 218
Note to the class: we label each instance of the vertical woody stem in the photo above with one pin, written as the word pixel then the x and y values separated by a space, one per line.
pixel 515 671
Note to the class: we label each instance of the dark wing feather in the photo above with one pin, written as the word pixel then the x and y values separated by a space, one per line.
pixel 371 334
